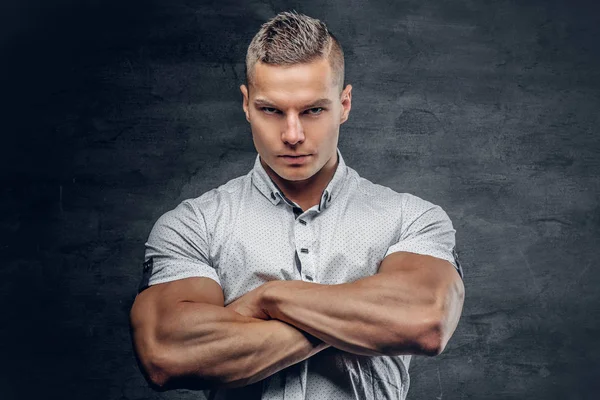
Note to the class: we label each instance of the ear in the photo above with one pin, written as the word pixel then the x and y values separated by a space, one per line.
pixel 346 98
pixel 245 101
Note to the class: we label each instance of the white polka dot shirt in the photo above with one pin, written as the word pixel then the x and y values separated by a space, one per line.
pixel 246 233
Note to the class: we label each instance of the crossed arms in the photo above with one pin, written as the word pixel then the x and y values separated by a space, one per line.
pixel 185 337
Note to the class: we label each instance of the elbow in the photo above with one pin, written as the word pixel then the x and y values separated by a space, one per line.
pixel 427 338
pixel 159 376
pixel 163 373
pixel 428 342
pixel 433 341
pixel 155 367
pixel 153 359
pixel 437 329
pixel 441 320
pixel 431 327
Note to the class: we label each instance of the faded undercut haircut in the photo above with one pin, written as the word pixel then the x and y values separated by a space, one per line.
pixel 291 38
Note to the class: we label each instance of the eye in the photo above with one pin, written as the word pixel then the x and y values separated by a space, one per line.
pixel 314 111
pixel 269 110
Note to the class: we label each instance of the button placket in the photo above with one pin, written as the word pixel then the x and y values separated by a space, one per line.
pixel 304 239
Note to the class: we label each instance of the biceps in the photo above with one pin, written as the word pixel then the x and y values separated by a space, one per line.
pixel 423 271
pixel 405 261
pixel 195 290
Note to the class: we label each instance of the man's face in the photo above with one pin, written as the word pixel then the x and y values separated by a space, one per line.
pixel 295 113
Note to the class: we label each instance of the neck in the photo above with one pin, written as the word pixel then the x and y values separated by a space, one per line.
pixel 306 193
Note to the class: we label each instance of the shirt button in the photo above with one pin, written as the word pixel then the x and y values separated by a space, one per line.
pixel 308 278
pixel 304 250
pixel 303 222
pixel 273 195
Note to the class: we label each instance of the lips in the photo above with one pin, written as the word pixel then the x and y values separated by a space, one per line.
pixel 295 159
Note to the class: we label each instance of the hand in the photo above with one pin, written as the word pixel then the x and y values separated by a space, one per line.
pixel 251 304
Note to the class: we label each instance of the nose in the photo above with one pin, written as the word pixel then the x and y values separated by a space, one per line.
pixel 293 133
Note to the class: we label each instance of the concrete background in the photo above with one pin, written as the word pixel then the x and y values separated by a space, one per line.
pixel 113 112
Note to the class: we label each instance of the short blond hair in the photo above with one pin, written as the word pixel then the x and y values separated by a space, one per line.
pixel 291 38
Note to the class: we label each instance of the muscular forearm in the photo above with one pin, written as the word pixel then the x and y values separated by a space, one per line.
pixel 384 314
pixel 203 345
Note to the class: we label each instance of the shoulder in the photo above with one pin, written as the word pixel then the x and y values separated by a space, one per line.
pixel 366 190
pixel 210 203
pixel 405 206
pixel 222 197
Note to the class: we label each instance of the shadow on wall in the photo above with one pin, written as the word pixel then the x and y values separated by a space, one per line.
pixel 55 58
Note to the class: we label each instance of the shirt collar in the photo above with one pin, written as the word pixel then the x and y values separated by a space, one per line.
pixel 269 189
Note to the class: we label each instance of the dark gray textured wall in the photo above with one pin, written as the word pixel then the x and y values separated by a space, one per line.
pixel 113 112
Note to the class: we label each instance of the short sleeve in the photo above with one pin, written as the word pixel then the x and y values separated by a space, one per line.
pixel 178 248
pixel 426 229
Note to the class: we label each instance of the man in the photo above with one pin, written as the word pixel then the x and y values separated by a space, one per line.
pixel 300 280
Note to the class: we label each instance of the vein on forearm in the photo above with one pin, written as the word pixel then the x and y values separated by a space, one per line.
pixel 372 316
pixel 222 346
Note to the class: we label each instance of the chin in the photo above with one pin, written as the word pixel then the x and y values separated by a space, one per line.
pixel 294 177
pixel 289 174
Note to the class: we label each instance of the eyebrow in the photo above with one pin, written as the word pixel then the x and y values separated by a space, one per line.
pixel 317 103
